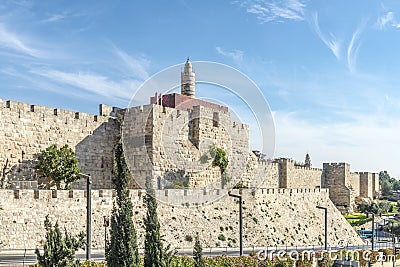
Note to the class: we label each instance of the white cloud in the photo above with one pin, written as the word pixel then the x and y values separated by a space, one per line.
pixel 12 41
pixel 275 11
pixel 353 48
pixel 137 66
pixel 93 83
pixel 360 143
pixel 54 18
pixel 332 42
pixel 236 55
pixel 384 20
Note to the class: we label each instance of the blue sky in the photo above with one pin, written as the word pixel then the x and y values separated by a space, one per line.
pixel 329 69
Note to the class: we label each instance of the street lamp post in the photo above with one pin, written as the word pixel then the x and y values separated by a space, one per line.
pixel 394 246
pixel 326 225
pixel 88 214
pixel 392 232
pixel 105 224
pixel 373 229
pixel 240 221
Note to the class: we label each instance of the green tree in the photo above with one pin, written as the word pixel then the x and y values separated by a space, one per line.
pixel 386 188
pixel 56 166
pixel 122 250
pixel 198 253
pixel 154 253
pixel 220 160
pixel 384 206
pixel 388 184
pixel 59 250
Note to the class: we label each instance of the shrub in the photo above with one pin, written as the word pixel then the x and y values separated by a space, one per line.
pixel 221 237
pixel 188 238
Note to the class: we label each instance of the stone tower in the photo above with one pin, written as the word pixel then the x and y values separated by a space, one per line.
pixel 188 80
pixel 307 162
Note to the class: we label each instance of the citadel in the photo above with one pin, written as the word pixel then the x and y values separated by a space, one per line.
pixel 169 140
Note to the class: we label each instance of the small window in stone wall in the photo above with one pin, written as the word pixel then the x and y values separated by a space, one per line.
pixel 215 119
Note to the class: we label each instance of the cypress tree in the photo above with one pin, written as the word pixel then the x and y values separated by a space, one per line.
pixel 198 253
pixel 59 249
pixel 154 254
pixel 122 250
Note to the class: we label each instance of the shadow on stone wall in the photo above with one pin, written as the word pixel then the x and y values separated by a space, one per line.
pixel 95 154
pixel 21 175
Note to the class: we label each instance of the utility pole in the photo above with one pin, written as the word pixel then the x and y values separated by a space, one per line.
pixel 240 221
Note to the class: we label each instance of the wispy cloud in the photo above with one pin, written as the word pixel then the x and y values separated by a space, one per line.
pixel 332 42
pixel 57 17
pixel 236 55
pixel 275 11
pixel 353 48
pixel 92 82
pixel 54 18
pixel 384 20
pixel 137 66
pixel 13 42
pixel 387 20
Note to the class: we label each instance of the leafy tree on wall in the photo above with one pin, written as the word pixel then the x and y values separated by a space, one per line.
pixel 59 249
pixel 220 160
pixel 56 166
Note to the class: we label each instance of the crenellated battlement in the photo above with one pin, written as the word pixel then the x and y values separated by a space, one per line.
pixel 292 190
pixel 166 195
pixel 27 111
pixel 307 168
pixel 336 164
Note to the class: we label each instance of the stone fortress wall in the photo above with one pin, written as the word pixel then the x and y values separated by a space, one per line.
pixel 26 130
pixel 168 144
pixel 286 186
pixel 344 186
pixel 270 216
pixel 169 140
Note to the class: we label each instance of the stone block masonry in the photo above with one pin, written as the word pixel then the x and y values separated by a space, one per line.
pixel 271 217
pixel 167 141
pixel 344 186
pixel 26 130
pixel 169 144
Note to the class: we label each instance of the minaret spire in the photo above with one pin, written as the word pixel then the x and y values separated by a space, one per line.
pixel 188 80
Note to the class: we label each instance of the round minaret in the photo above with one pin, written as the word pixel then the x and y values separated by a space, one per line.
pixel 188 80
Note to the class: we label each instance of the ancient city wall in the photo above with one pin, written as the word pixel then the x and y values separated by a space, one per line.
pixel 292 176
pixel 366 185
pixel 334 178
pixel 375 184
pixel 137 137
pixel 352 180
pixel 271 217
pixel 28 129
pixel 174 145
